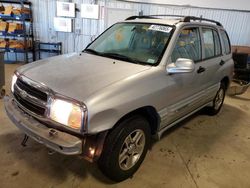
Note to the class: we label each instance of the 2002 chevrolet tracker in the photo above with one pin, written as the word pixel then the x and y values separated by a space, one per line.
pixel 136 80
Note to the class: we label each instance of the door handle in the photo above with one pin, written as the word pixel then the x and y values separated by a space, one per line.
pixel 222 63
pixel 201 69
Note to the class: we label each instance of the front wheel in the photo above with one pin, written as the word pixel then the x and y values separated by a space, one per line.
pixel 125 149
pixel 218 101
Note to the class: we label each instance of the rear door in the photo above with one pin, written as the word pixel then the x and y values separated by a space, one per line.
pixel 212 61
pixel 228 63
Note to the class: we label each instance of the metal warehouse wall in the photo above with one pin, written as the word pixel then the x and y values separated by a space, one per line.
pixel 235 22
pixel 222 4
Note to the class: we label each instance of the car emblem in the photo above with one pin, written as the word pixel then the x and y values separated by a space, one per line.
pixel 23 94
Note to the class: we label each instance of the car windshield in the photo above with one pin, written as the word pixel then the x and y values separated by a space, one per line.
pixel 133 42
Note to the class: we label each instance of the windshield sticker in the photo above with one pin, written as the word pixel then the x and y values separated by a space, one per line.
pixel 160 28
pixel 151 61
pixel 119 36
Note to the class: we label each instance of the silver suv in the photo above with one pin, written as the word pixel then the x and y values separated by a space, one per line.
pixel 136 80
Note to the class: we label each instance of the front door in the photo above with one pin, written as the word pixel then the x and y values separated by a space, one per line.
pixel 187 90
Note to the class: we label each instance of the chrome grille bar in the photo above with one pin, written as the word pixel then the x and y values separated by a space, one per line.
pixel 31 96
pixel 25 95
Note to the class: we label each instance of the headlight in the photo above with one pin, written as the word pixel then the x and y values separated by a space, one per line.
pixel 14 79
pixel 66 113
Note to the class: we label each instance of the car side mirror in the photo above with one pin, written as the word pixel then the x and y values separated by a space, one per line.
pixel 181 65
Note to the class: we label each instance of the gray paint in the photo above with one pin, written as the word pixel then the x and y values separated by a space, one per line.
pixel 79 76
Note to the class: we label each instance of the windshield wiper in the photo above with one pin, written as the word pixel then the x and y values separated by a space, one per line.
pixel 114 55
pixel 121 57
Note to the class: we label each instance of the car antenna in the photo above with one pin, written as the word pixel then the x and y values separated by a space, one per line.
pixel 200 18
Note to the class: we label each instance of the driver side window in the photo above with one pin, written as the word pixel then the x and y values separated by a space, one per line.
pixel 188 45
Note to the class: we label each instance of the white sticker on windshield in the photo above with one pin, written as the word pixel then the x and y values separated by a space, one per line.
pixel 160 28
pixel 151 61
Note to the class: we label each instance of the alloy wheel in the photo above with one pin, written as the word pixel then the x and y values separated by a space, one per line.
pixel 132 149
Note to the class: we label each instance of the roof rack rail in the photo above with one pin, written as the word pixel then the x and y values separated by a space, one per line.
pixel 140 17
pixel 153 16
pixel 184 18
pixel 168 15
pixel 189 18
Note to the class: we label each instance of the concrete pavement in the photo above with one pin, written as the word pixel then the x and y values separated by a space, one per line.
pixel 202 151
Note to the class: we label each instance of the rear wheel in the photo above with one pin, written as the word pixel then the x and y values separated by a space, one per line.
pixel 218 100
pixel 125 148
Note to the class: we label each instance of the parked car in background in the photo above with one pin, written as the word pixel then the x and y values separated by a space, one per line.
pixel 135 81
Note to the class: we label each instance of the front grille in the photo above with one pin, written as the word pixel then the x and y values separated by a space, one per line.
pixel 31 107
pixel 30 97
pixel 31 90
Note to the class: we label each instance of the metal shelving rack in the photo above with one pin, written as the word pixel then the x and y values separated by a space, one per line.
pixel 27 35
pixel 54 48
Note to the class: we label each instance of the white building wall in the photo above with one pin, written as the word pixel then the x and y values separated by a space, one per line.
pixel 222 4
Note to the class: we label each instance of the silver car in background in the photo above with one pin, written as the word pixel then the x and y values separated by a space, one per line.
pixel 135 81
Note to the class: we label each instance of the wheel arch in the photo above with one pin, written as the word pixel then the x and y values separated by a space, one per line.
pixel 149 113
pixel 226 81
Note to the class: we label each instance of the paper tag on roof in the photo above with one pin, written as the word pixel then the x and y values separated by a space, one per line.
pixel 160 28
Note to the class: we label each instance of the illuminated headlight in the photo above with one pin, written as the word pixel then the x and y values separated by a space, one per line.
pixel 66 113
pixel 14 79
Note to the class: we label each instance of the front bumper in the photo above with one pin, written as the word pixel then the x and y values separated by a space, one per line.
pixel 61 142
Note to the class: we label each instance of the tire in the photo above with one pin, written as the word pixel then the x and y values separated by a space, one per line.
pixel 120 148
pixel 218 101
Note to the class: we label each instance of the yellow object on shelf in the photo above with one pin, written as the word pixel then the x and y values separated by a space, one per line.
pixel 19 11
pixel 14 27
pixel 3 43
pixel 16 44
pixel 8 10
pixel 3 26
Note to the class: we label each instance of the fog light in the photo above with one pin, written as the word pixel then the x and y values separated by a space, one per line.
pixel 91 151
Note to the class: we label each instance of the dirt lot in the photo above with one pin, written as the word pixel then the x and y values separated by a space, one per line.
pixel 202 151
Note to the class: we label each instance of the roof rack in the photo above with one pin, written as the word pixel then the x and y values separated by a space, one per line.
pixel 168 15
pixel 189 18
pixel 153 16
pixel 184 18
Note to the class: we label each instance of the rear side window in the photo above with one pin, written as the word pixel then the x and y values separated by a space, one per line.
pixel 209 45
pixel 212 45
pixel 217 42
pixel 188 45
pixel 225 39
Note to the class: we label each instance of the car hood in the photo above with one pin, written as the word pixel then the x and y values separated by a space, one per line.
pixel 79 75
